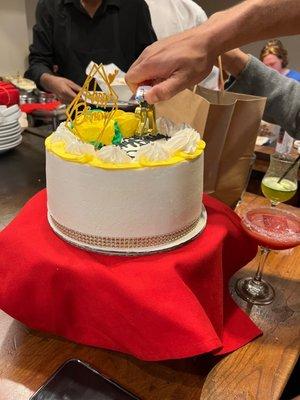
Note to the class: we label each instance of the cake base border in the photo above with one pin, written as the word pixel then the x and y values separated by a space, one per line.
pixel 197 230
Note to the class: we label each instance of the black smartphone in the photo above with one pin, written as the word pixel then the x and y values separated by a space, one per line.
pixel 76 380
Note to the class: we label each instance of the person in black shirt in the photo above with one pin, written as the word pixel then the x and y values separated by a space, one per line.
pixel 70 33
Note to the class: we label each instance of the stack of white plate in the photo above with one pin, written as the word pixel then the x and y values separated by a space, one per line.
pixel 10 129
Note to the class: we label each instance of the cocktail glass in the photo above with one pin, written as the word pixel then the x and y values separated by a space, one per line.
pixel 273 229
pixel 276 190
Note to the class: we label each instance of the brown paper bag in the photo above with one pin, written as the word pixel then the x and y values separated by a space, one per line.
pixel 229 123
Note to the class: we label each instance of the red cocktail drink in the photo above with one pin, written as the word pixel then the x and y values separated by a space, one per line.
pixel 273 228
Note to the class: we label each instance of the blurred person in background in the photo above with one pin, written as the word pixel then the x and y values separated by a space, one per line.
pixel 70 33
pixel 275 56
pixel 174 16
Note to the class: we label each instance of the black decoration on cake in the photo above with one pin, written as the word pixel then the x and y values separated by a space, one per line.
pixel 131 145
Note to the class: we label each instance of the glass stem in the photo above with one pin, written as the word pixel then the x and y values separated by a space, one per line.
pixel 264 253
pixel 274 203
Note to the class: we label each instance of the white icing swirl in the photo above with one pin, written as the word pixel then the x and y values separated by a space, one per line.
pixel 87 148
pixel 168 128
pixel 74 148
pixel 184 140
pixel 73 144
pixel 156 151
pixel 63 134
pixel 113 154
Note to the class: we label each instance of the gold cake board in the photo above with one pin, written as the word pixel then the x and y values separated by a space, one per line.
pixel 197 229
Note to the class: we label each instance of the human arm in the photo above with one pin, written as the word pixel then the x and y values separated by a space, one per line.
pixel 41 52
pixel 283 94
pixel 41 60
pixel 182 60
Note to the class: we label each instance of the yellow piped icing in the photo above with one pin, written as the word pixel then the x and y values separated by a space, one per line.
pixel 59 149
pixel 89 125
pixel 128 122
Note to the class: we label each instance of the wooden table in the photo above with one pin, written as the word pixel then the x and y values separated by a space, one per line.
pixel 259 370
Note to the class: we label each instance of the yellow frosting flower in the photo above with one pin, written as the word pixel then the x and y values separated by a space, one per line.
pixel 128 123
pixel 93 126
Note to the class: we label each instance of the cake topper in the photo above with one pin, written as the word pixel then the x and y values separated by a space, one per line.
pixel 93 118
pixel 79 111
pixel 146 113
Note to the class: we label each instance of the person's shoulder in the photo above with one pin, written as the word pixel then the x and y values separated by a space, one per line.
pixel 134 7
pixel 134 3
pixel 49 5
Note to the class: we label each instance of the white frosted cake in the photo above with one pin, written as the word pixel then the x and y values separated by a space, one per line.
pixel 116 183
pixel 144 194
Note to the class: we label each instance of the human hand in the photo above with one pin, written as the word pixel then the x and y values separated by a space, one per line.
pixel 64 89
pixel 173 64
pixel 235 61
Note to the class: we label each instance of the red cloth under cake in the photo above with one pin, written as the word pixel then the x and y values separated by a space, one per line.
pixel 163 306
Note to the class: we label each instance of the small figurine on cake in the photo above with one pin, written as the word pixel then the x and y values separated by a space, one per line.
pixel 146 113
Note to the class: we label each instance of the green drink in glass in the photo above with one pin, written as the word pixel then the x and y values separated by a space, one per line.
pixel 278 192
pixel 274 188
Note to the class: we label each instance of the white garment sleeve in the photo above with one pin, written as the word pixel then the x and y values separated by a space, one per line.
pixel 200 16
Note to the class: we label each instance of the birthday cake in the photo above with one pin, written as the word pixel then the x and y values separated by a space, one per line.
pixel 115 186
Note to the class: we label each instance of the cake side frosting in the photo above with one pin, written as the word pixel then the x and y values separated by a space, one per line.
pixel 134 203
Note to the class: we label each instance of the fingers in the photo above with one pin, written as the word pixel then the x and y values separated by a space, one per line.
pixel 138 60
pixel 157 61
pixel 165 90
pixel 136 76
pixel 132 86
pixel 142 69
pixel 76 88
pixel 70 90
pixel 68 95
pixel 145 74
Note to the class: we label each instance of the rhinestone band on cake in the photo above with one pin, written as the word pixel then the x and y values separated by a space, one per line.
pixel 122 243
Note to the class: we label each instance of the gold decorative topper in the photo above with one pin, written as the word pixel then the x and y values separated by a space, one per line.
pixel 79 111
pixel 145 112
pixel 147 117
